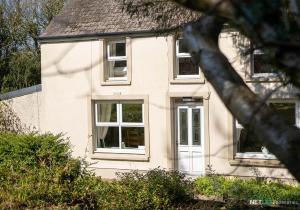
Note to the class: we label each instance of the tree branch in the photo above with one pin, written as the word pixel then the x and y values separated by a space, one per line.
pixel 272 130
pixel 223 8
pixel 268 30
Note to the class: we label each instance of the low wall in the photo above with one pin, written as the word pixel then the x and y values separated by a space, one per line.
pixel 26 103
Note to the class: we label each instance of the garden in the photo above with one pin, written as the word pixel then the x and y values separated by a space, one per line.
pixel 38 172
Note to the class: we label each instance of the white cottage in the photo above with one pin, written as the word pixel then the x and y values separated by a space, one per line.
pixel 129 98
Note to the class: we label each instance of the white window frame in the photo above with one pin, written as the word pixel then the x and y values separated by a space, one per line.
pixel 121 124
pixel 261 155
pixel 117 58
pixel 255 75
pixel 183 55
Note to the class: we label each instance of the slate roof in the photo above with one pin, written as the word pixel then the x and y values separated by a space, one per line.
pixel 92 17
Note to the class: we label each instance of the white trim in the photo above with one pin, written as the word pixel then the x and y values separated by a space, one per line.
pixel 255 155
pixel 117 58
pixel 180 77
pixel 178 54
pixel 257 75
pixel 118 78
pixel 297 110
pixel 107 124
pixel 97 121
pixel 120 151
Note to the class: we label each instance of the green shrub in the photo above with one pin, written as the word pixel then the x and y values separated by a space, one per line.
pixel 37 171
pixel 246 189
pixel 156 189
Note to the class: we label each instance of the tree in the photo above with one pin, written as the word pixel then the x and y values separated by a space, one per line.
pixel 21 23
pixel 272 26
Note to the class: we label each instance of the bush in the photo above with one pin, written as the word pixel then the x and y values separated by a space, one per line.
pixel 37 171
pixel 246 189
pixel 156 189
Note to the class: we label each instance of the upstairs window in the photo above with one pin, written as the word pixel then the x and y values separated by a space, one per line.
pixel 116 60
pixel 185 68
pixel 260 65
pixel 248 145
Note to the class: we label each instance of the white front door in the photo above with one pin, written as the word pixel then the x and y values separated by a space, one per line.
pixel 190 137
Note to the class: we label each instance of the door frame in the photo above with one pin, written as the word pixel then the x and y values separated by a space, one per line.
pixel 176 132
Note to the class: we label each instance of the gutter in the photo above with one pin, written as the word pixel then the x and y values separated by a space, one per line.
pixel 96 36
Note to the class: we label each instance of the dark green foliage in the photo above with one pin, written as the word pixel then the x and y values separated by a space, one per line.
pixel 246 189
pixel 25 71
pixel 37 171
pixel 21 23
pixel 156 189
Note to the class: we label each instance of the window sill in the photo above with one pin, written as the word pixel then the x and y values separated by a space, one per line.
pixel 188 81
pixel 272 163
pixel 115 82
pixel 119 156
pixel 255 155
pixel 263 78
pixel 121 151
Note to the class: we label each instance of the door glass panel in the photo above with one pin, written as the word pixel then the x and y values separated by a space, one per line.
pixel 196 134
pixel 183 127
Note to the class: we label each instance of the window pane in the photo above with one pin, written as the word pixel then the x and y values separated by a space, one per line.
pixel 260 65
pixel 247 142
pixel 107 112
pixel 287 111
pixel 117 68
pixel 196 132
pixel 183 127
pixel 133 138
pixel 186 67
pixel 117 49
pixel 182 47
pixel 107 137
pixel 132 112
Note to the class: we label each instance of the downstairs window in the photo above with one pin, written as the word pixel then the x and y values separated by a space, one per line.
pixel 119 126
pixel 248 146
